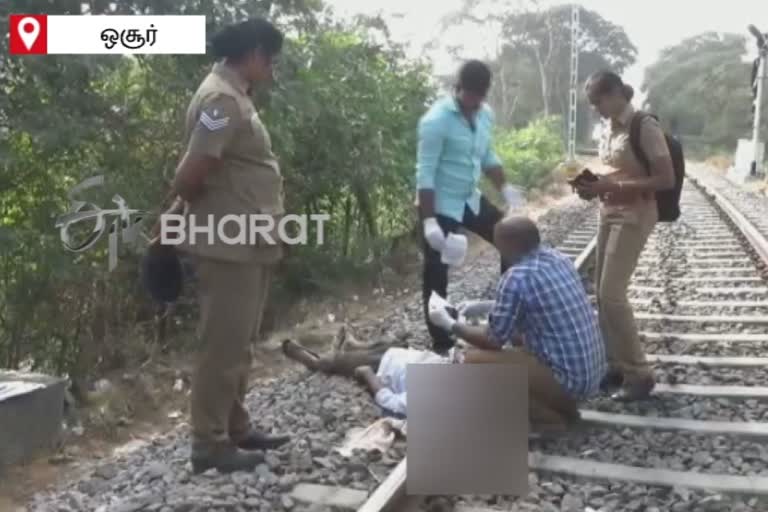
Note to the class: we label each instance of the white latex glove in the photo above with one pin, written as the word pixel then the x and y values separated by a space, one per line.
pixel 475 308
pixel 434 234
pixel 438 312
pixel 513 196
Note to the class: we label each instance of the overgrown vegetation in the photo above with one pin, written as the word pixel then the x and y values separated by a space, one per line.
pixel 342 117
pixel 529 154
pixel 531 58
pixel 701 90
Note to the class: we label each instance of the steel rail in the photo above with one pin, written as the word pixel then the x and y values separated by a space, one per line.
pixel 391 494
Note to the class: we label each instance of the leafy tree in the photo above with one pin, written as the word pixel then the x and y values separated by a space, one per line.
pixel 342 119
pixel 532 59
pixel 700 88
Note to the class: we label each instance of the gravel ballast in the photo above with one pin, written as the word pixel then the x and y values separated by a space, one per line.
pixel 318 411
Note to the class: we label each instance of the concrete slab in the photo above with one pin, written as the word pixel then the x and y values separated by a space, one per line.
pixel 705 319
pixel 731 484
pixel 719 362
pixel 706 337
pixel 744 429
pixel 31 411
pixel 713 391
pixel 350 499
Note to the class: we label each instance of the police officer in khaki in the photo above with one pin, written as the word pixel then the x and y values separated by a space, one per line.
pixel 229 169
pixel 627 218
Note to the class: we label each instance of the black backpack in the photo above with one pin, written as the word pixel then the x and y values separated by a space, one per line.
pixel 667 201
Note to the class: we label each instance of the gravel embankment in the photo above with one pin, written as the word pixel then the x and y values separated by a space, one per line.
pixel 751 203
pixel 316 410
pixel 664 262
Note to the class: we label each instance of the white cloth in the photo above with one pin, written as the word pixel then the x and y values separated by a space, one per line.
pixel 378 436
pixel 391 372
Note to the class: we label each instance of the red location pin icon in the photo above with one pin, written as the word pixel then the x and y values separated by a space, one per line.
pixel 28 34
pixel 29 31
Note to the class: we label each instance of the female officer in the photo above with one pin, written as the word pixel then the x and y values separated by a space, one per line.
pixel 229 169
pixel 627 218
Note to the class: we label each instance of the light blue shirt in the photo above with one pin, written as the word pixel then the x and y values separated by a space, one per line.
pixel 451 157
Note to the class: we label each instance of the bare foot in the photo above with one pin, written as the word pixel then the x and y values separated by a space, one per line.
pixel 363 374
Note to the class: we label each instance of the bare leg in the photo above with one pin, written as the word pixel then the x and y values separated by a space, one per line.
pixel 338 364
pixel 293 350
pixel 366 376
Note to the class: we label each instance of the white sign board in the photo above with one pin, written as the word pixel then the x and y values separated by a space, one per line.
pixel 745 153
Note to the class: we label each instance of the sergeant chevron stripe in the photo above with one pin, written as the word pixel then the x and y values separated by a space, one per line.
pixel 213 124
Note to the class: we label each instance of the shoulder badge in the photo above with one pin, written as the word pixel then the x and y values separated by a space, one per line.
pixel 213 121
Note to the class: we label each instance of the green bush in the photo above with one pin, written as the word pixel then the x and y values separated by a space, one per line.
pixel 529 154
pixel 342 117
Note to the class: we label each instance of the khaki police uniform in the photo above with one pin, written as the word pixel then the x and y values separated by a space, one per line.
pixel 233 279
pixel 626 222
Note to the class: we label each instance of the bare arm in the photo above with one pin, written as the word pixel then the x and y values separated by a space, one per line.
pixel 491 164
pixel 476 336
pixel 426 203
pixel 496 175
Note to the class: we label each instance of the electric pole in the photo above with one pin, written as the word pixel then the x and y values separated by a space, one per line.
pixel 758 84
pixel 574 83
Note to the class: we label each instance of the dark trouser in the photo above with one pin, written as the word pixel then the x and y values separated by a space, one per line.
pixel 435 274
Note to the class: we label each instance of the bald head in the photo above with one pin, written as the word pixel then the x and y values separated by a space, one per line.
pixel 516 236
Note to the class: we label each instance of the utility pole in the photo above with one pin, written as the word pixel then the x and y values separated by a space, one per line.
pixel 574 83
pixel 758 84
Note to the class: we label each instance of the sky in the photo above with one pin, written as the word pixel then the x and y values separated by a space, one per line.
pixel 650 24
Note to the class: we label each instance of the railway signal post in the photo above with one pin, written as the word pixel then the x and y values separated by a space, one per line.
pixel 758 85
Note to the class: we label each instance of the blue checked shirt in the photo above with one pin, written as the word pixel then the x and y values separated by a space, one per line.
pixel 451 157
pixel 542 298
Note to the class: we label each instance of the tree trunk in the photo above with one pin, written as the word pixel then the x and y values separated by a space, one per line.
pixel 543 79
pixel 347 225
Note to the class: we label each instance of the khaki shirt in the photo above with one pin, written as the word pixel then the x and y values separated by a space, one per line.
pixel 223 123
pixel 616 153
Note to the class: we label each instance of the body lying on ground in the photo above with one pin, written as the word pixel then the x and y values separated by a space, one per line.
pixel 541 318
pixel 381 369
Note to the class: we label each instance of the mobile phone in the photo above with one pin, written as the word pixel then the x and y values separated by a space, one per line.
pixel 585 176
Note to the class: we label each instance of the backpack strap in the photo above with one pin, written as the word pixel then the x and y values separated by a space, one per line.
pixel 634 139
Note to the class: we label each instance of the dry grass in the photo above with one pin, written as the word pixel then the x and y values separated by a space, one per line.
pixel 720 162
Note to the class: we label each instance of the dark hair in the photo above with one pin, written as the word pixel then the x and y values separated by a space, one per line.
pixel 234 41
pixel 607 82
pixel 474 76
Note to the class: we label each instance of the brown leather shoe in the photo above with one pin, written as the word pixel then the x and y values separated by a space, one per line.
pixel 256 440
pixel 224 457
pixel 639 389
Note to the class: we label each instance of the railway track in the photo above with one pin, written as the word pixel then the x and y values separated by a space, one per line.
pixel 699 443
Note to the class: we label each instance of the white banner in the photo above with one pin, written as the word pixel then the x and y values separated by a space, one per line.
pixel 106 34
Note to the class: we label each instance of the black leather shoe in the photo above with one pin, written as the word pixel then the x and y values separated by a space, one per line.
pixel 256 440
pixel 638 390
pixel 442 350
pixel 224 457
pixel 613 379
